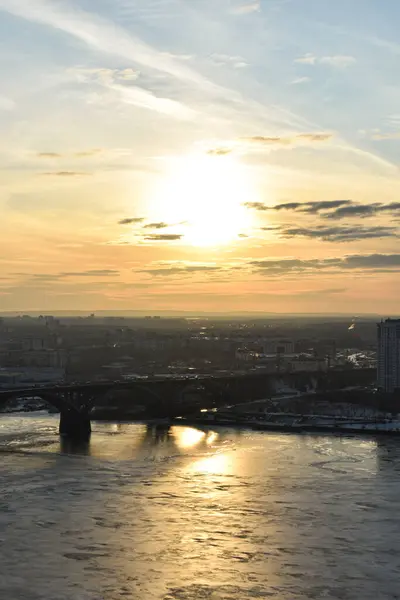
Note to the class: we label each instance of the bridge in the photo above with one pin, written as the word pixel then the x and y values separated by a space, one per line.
pixel 177 396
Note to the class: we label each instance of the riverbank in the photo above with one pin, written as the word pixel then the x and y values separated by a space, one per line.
pixel 301 424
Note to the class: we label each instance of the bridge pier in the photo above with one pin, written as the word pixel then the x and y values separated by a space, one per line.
pixel 75 425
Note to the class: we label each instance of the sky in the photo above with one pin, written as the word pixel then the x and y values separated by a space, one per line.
pixel 200 156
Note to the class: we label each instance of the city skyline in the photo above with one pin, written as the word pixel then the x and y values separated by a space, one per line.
pixel 208 156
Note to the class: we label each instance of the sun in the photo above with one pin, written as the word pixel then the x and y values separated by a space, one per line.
pixel 205 196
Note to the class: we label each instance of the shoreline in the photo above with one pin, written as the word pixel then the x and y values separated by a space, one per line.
pixel 368 429
pixel 379 429
pixel 387 427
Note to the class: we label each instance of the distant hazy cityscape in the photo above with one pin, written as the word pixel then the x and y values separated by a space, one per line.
pixel 48 349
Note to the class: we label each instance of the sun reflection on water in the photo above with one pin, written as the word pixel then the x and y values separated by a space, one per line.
pixel 212 438
pixel 218 464
pixel 187 437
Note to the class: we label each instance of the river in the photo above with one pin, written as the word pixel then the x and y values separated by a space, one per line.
pixel 190 514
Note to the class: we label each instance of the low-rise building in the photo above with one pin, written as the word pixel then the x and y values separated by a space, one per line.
pixel 25 377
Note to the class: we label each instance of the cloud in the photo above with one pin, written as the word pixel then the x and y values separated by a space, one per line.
pixel 123 89
pixel 312 207
pixel 339 234
pixel 299 80
pixel 103 75
pixel 294 140
pixel 256 206
pixel 100 34
pixel 355 262
pixel 304 207
pixel 66 174
pixel 48 155
pixel 307 59
pixel 246 9
pixel 127 74
pixel 387 136
pixel 330 209
pixel 288 265
pixel 219 151
pixel 91 273
pixel 314 137
pixel 88 153
pixel 373 261
pixel 6 103
pixel 43 277
pixel 237 62
pixel 178 56
pixel 177 268
pixel 130 220
pixel 79 154
pixel 339 61
pixel 157 225
pixel 163 237
pixel 364 210
pixel 65 274
pixel 142 98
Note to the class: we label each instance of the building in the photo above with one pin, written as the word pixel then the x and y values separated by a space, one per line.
pixel 26 377
pixel 306 364
pixel 278 347
pixel 389 355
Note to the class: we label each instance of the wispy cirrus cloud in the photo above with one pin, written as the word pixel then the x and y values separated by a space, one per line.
pixel 67 274
pixel 120 83
pixel 100 34
pixel 247 8
pixel 48 155
pixel 307 59
pixel 250 143
pixel 78 154
pixel 104 75
pixel 394 135
pixel 339 61
pixel 6 103
pixel 66 174
pixel 236 62
pixel 290 140
pixel 91 273
pixel 88 153
pixel 143 98
pixel 299 80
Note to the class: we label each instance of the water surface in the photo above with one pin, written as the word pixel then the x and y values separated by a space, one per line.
pixel 191 514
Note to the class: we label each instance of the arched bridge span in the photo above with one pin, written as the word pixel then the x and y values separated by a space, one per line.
pixel 171 397
pixel 74 413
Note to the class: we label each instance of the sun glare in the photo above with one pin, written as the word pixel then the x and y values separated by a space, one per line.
pixel 205 196
pixel 188 437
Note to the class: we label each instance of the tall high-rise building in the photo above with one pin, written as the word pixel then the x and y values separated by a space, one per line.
pixel 389 355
